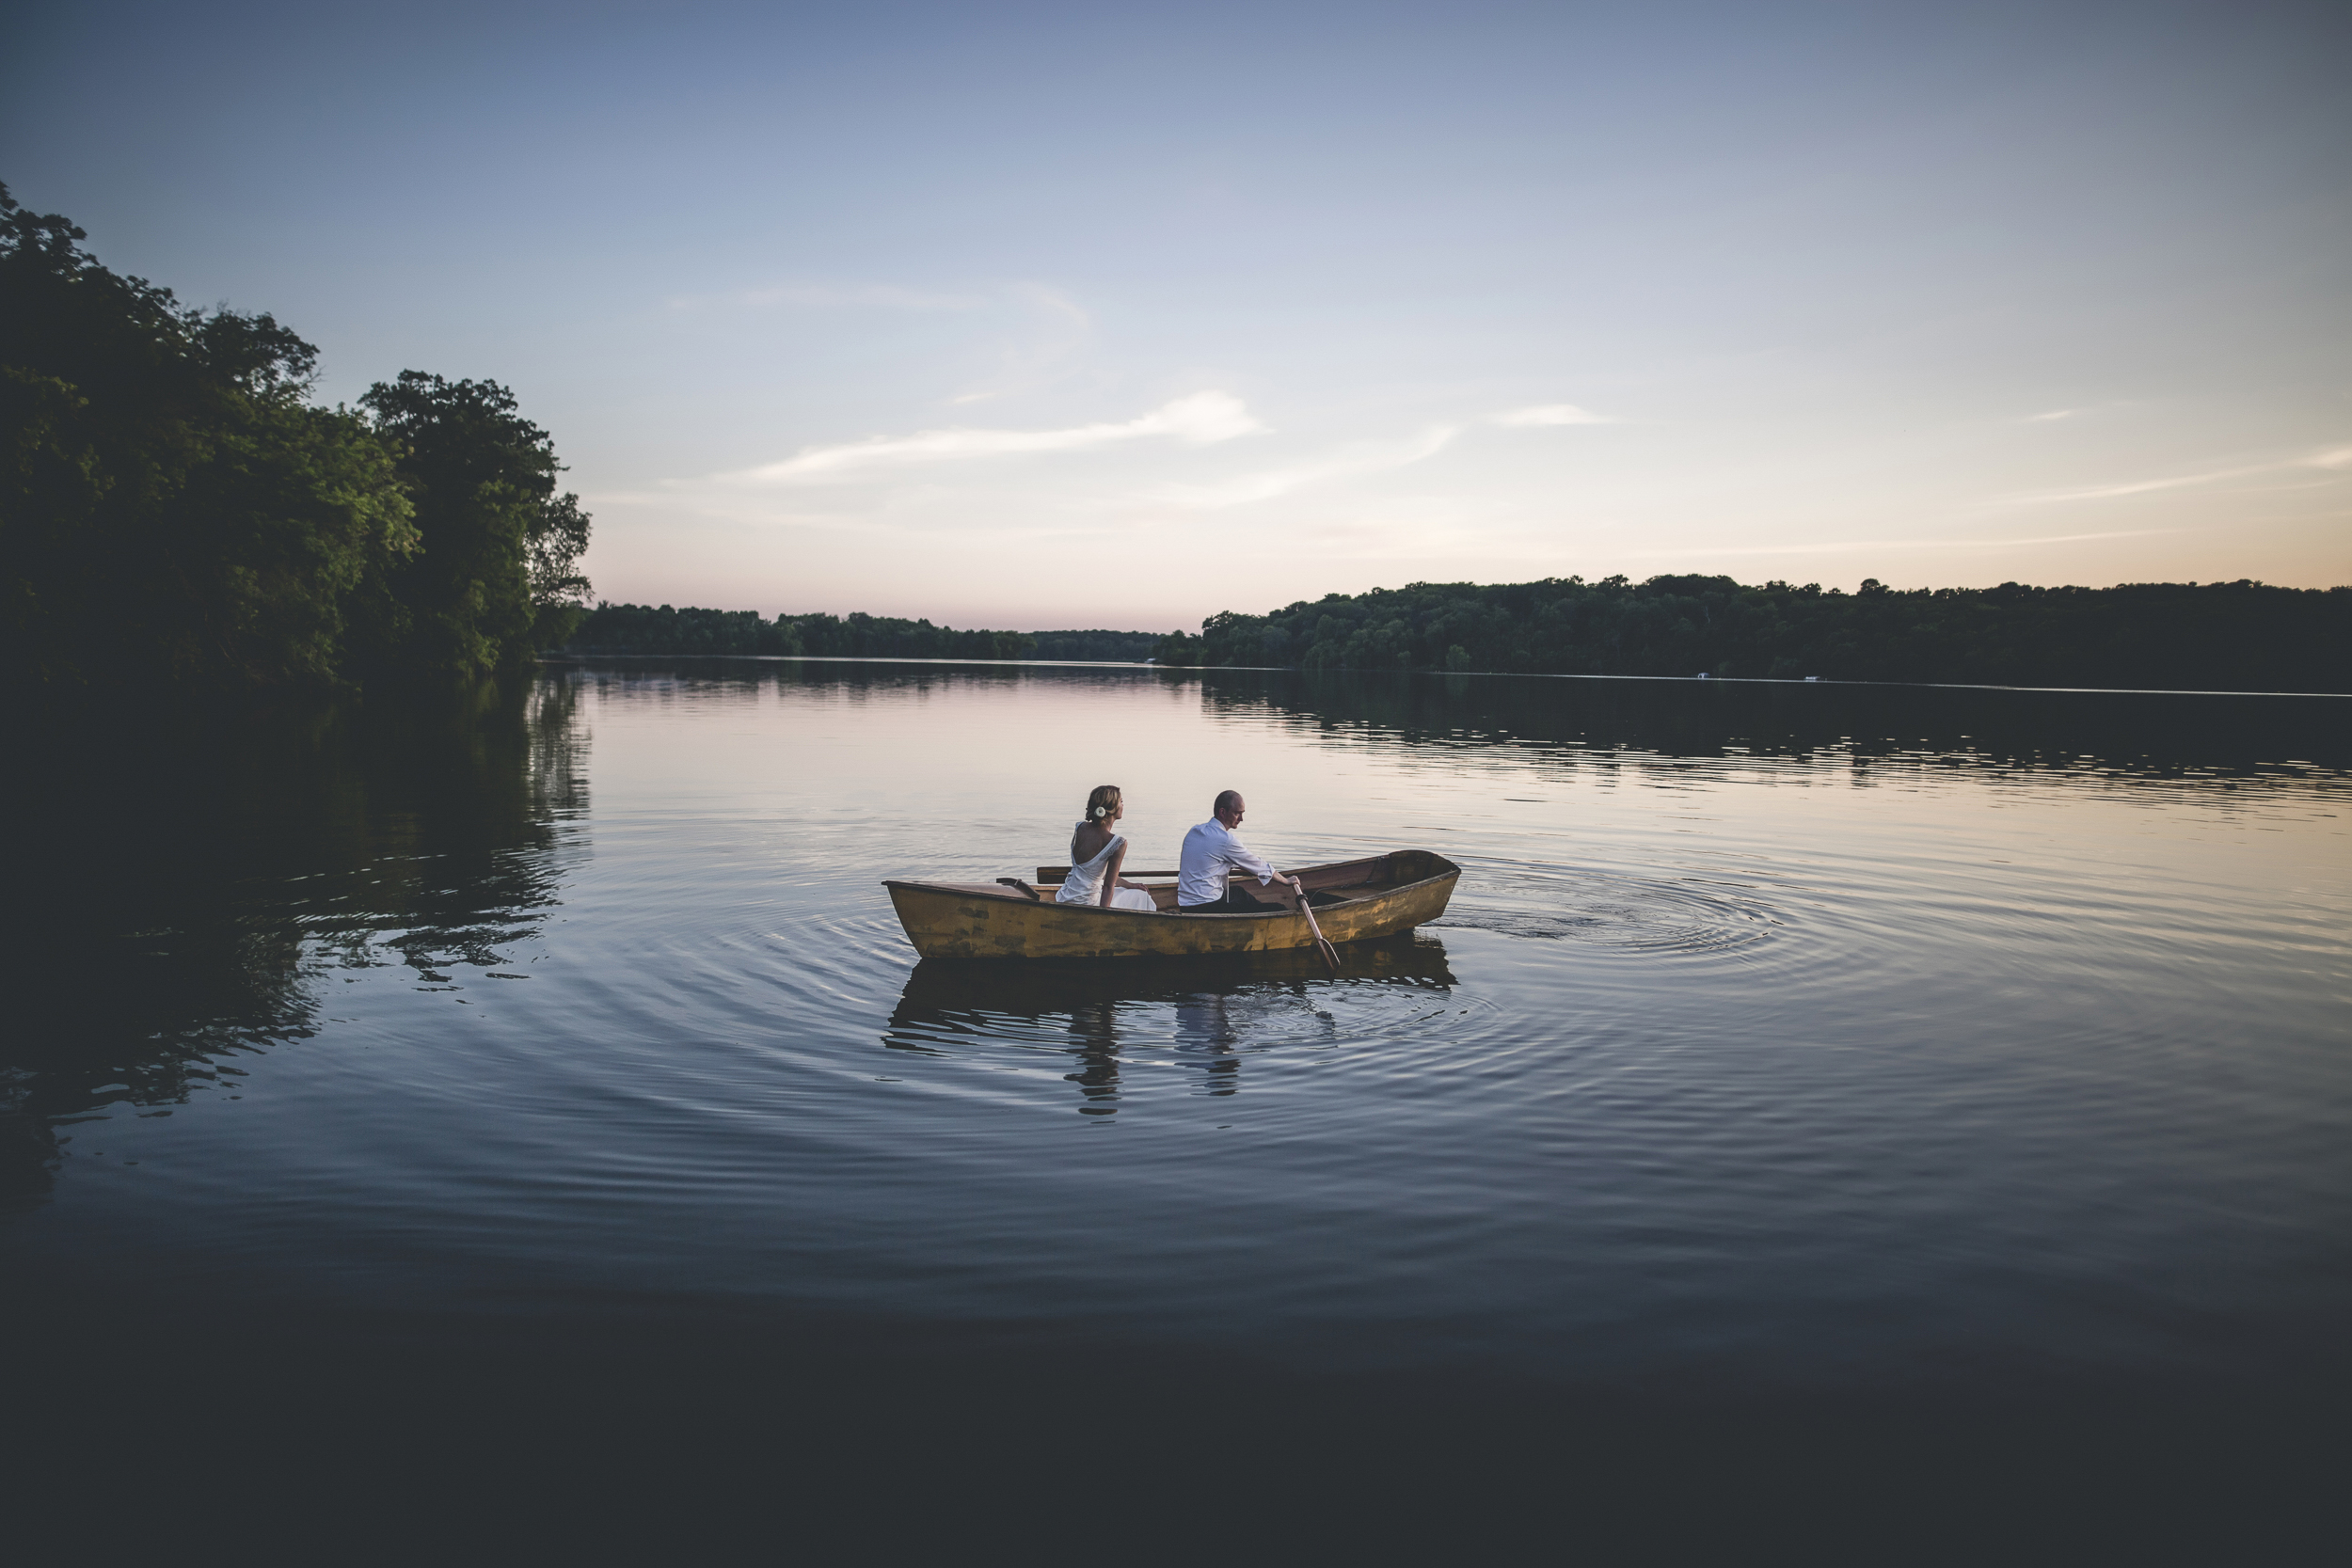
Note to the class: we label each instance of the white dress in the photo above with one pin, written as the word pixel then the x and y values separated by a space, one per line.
pixel 1083 884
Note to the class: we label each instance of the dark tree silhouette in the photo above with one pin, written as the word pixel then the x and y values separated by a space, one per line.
pixel 2224 635
pixel 173 507
pixel 631 629
pixel 169 505
pixel 496 575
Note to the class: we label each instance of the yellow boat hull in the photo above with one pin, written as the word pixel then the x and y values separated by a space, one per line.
pixel 1376 898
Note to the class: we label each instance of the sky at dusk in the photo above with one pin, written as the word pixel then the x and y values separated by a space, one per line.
pixel 1118 316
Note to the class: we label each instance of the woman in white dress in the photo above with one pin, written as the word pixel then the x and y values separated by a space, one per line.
pixel 1096 853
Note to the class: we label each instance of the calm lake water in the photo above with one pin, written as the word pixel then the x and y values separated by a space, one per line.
pixel 1957 1044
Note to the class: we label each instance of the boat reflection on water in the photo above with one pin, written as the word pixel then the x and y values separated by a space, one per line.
pixel 1201 1015
pixel 1206 1036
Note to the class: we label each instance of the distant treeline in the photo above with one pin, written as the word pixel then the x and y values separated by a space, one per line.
pixel 2225 635
pixel 635 629
pixel 1132 646
pixel 175 508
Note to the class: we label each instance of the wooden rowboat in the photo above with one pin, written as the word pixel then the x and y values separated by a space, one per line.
pixel 1354 901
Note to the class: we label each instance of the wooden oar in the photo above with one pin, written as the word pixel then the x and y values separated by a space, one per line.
pixel 1330 954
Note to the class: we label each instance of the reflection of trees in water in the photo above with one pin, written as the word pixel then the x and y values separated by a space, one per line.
pixel 1598 723
pixel 200 874
pixel 1578 723
pixel 1222 1008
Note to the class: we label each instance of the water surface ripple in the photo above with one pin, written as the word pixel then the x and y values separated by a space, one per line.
pixel 1785 1035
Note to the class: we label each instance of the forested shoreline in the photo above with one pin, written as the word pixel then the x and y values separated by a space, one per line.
pixel 2223 636
pixel 176 509
pixel 633 628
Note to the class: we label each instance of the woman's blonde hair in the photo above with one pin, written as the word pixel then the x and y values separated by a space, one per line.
pixel 1102 802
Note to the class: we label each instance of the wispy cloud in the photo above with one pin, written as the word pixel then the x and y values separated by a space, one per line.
pixel 2150 486
pixel 885 297
pixel 1054 302
pixel 1842 545
pixel 2053 414
pixel 2137 488
pixel 1043 298
pixel 1347 463
pixel 1058 334
pixel 2332 458
pixel 1551 414
pixel 1203 418
pixel 1361 458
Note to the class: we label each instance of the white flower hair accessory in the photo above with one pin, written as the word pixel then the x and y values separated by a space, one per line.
pixel 1102 811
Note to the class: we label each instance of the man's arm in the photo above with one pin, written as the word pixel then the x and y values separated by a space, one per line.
pixel 1237 853
pixel 1241 856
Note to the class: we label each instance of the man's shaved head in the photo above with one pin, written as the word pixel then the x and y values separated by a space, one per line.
pixel 1227 800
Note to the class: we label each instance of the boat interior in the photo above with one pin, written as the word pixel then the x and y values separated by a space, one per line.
pixel 1342 882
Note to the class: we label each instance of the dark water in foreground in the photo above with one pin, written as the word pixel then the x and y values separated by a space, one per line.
pixel 1939 1050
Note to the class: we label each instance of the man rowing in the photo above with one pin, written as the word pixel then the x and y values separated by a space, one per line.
pixel 1213 854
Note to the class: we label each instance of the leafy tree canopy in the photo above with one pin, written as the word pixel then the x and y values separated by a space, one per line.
pixel 173 505
pixel 497 575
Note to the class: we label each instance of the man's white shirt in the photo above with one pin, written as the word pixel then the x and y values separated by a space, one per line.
pixel 1211 853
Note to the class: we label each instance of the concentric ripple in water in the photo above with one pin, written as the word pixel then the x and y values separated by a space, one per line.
pixel 1841 1036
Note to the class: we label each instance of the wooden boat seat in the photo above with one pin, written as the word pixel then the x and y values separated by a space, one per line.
pixel 983 890
pixel 1349 882
pixel 1352 880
